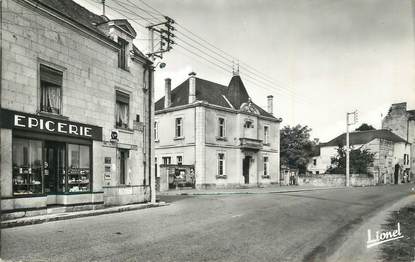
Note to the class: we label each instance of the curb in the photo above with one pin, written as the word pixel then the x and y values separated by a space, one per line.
pixel 70 215
pixel 246 193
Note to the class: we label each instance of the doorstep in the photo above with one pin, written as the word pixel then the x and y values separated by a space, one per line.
pixel 56 216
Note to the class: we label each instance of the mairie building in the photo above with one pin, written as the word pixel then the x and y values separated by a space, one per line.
pixel 75 110
pixel 209 135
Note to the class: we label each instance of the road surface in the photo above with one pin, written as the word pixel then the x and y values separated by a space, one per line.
pixel 301 226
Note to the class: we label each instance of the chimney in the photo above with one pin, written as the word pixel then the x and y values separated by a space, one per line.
pixel 192 87
pixel 270 104
pixel 167 97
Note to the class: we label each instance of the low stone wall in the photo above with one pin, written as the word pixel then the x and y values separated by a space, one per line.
pixel 336 180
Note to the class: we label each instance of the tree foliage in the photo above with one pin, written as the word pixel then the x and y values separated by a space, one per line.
pixel 360 161
pixel 296 147
pixel 365 127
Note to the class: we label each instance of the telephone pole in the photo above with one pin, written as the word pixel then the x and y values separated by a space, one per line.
pixel 355 119
pixel 165 32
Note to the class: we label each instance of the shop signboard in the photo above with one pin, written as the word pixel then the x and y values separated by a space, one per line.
pixel 38 123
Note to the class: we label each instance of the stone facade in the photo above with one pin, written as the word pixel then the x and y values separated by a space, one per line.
pixel 201 143
pixel 33 35
pixel 402 122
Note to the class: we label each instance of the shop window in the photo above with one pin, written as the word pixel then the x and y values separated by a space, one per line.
pixel 266 134
pixel 179 127
pixel 222 128
pixel 122 54
pixel 79 173
pixel 122 109
pixel 221 164
pixel 27 167
pixel 266 167
pixel 50 90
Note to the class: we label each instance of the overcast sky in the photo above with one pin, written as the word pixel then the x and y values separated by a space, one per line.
pixel 334 55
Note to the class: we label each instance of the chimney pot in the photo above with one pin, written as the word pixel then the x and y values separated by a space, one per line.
pixel 270 99
pixel 167 96
pixel 192 87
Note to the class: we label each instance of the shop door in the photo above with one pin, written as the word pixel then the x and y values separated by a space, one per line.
pixel 54 167
pixel 245 169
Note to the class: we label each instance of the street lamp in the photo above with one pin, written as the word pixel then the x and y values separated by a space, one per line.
pixel 348 123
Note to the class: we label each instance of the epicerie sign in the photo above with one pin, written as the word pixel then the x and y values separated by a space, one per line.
pixel 19 120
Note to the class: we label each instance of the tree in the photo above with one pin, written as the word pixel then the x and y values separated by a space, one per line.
pixel 360 161
pixel 365 127
pixel 296 147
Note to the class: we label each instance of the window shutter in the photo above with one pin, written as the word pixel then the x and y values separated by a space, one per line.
pixel 122 97
pixel 50 75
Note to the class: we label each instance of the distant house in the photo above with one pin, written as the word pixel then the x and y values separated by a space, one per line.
pixel 402 122
pixel 220 131
pixel 390 149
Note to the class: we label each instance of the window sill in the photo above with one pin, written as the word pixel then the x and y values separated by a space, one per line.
pixel 179 138
pixel 221 177
pixel 265 177
pixel 221 138
pixel 124 69
pixel 156 140
pixel 52 115
pixel 266 144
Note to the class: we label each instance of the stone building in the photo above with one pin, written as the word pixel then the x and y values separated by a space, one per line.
pixel 76 99
pixel 389 148
pixel 228 139
pixel 402 122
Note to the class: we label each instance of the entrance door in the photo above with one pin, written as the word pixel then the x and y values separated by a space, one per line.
pixel 54 167
pixel 245 169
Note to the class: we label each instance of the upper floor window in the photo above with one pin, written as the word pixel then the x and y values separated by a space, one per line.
pixel 222 127
pixel 122 54
pixel 122 109
pixel 315 162
pixel 248 124
pixel 179 127
pixel 406 159
pixel 156 130
pixel 179 160
pixel 166 160
pixel 51 89
pixel 266 134
pixel 221 164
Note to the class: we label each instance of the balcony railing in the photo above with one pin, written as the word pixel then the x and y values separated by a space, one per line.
pixel 249 143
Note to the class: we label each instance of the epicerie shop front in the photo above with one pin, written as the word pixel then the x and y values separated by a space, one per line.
pixel 46 162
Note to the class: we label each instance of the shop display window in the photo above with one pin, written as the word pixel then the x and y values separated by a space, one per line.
pixel 27 167
pixel 79 173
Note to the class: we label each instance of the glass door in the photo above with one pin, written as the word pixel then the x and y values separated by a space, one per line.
pixel 55 167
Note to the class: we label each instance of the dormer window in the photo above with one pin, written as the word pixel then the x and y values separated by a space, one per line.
pixel 248 124
pixel 122 54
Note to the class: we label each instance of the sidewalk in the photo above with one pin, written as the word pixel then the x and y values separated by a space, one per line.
pixel 69 215
pixel 254 190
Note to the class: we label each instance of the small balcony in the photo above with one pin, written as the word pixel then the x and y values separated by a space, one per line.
pixel 251 144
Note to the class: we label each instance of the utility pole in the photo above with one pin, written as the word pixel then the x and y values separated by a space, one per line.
pixel 165 31
pixel 355 119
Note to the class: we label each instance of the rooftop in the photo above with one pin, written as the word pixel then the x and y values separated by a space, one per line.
pixel 364 137
pixel 231 96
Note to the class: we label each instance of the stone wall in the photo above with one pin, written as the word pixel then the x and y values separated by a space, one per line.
pixel 337 180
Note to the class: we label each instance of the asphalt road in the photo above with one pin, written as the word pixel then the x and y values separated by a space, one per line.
pixel 303 226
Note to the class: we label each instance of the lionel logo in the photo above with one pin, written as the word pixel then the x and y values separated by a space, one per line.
pixel 383 237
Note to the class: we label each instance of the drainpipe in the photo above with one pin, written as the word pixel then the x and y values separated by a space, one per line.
pixel 150 127
pixel 1 77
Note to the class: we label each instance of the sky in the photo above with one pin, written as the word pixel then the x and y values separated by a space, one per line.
pixel 321 58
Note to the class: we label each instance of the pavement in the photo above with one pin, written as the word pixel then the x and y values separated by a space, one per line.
pixel 108 210
pixel 289 226
pixel 24 221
